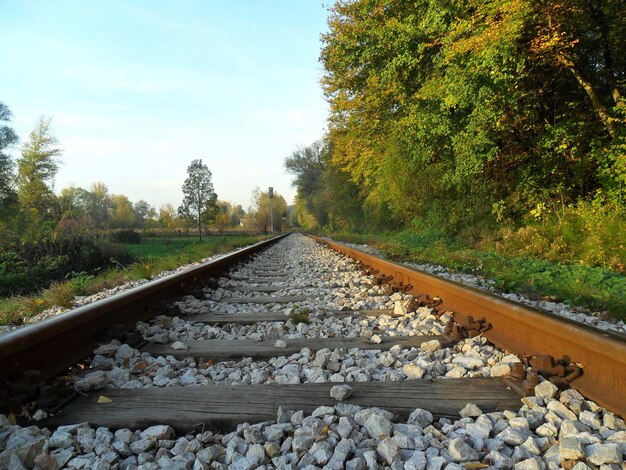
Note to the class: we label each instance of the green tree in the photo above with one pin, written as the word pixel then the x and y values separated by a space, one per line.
pixel 442 112
pixel 308 165
pixel 37 168
pixel 237 215
pixel 97 204
pixel 143 212
pixel 122 212
pixel 325 195
pixel 199 203
pixel 8 138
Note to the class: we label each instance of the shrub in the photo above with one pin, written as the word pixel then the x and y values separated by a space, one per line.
pixel 582 234
pixel 59 293
pixel 30 266
pixel 129 236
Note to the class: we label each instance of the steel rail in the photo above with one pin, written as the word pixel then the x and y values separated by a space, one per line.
pixel 54 344
pixel 522 329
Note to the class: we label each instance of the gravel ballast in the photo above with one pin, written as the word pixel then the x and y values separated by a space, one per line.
pixel 549 431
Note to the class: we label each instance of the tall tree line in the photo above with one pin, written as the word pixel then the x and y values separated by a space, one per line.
pixel 463 113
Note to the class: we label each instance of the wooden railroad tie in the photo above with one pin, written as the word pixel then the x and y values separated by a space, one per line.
pixel 265 299
pixel 248 318
pixel 228 350
pixel 224 407
pixel 258 279
pixel 254 288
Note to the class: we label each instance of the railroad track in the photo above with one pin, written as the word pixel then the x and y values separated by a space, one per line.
pixel 288 354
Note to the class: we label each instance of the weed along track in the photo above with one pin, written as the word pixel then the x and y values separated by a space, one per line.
pixel 290 354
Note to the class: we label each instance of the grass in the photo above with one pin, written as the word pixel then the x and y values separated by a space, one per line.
pixel 300 316
pixel 594 287
pixel 160 247
pixel 153 255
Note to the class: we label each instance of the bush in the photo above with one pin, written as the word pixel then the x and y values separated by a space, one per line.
pixel 583 234
pixel 126 236
pixel 30 266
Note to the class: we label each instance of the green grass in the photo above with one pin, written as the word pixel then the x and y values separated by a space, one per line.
pixel 594 287
pixel 153 255
pixel 159 247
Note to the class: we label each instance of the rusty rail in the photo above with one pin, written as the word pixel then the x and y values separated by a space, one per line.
pixel 54 344
pixel 522 329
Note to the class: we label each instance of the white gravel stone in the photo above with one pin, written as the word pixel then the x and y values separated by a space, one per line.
pixel 461 452
pixel 413 372
pixel 500 369
pixel 546 389
pixel 603 454
pixel 91 381
pixel 387 449
pixel 431 346
pixel 156 433
pixel 470 411
pixel 341 392
pixel 420 417
pixel 513 436
pixel 340 454
pixel 468 362
pixel 561 410
pixel 179 346
pixel 378 425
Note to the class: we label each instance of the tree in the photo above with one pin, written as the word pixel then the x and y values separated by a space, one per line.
pixel 98 204
pixel 143 212
pixel 8 137
pixel 308 165
pixel 37 168
pixel 237 214
pixel 223 216
pixel 441 112
pixel 260 210
pixel 167 217
pixel 583 37
pixel 199 201
pixel 222 221
pixel 122 212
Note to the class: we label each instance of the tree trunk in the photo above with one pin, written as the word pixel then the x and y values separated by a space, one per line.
pixel 596 101
pixel 600 19
pixel 199 214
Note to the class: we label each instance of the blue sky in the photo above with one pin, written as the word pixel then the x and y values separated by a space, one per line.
pixel 138 89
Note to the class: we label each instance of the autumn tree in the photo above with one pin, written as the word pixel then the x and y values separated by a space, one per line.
pixel 457 114
pixel 122 213
pixel 585 38
pixel 167 217
pixel 97 204
pixel 222 221
pixel 37 168
pixel 259 211
pixel 199 196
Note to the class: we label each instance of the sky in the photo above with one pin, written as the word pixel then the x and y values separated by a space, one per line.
pixel 138 89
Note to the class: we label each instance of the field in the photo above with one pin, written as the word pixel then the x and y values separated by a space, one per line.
pixel 152 255
pixel 163 247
